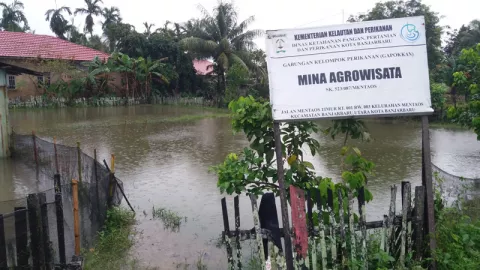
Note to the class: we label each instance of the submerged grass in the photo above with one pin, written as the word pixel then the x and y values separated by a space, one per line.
pixel 114 242
pixel 171 220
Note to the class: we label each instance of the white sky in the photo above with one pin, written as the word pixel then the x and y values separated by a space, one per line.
pixel 269 14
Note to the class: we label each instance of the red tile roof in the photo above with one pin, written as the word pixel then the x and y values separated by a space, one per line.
pixel 203 67
pixel 26 45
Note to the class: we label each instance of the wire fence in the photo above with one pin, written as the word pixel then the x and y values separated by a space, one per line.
pixel 46 219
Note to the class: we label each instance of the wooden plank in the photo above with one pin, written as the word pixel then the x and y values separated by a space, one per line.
pixel 333 229
pixel 405 210
pixel 21 237
pixel 46 243
pixel 299 221
pixel 383 239
pixel 35 150
pixel 283 196
pixel 322 245
pixel 79 159
pixel 351 228
pixel 428 183
pixel 391 215
pixel 256 223
pixel 57 183
pixel 56 154
pixel 418 221
pixel 76 217
pixel 60 229
pixel 3 246
pixel 236 207
pixel 97 186
pixel 363 228
pixel 226 238
pixel 343 242
pixel 36 247
pixel 312 247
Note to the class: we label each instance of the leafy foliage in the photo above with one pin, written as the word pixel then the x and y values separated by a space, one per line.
pixel 13 18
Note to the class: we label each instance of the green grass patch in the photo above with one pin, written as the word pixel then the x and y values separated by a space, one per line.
pixel 113 243
pixel 171 220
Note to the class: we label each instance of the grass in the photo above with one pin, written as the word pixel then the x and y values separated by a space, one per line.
pixel 171 220
pixel 114 242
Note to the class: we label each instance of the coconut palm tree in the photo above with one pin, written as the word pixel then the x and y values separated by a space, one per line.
pixel 148 28
pixel 111 15
pixel 222 38
pixel 58 24
pixel 13 17
pixel 93 9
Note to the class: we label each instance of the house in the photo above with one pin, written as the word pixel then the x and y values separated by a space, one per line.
pixel 26 50
pixel 203 67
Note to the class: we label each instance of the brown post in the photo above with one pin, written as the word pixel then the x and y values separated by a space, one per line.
pixel 428 184
pixel 96 178
pixel 418 222
pixel 76 217
pixel 283 196
pixel 79 157
pixel 111 184
pixel 3 246
pixel 299 222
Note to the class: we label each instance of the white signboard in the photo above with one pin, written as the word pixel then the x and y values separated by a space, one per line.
pixel 374 68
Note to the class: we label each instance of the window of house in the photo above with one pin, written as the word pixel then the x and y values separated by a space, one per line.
pixel 40 80
pixel 47 81
pixel 11 82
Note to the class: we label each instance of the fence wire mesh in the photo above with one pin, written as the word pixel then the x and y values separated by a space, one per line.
pixel 94 193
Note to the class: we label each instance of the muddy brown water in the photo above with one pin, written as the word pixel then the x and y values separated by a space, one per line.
pixel 166 164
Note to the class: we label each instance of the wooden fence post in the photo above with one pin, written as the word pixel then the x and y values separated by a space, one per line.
pixel 351 229
pixel 76 217
pixel 47 247
pixel 236 206
pixel 95 170
pixel 21 237
pixel 55 152
pixel 258 231
pixel 60 229
pixel 35 153
pixel 111 183
pixel 226 235
pixel 3 247
pixel 57 183
pixel 311 233
pixel 333 226
pixel 341 219
pixel 36 247
pixel 299 222
pixel 405 210
pixel 363 226
pixel 79 157
pixel 391 216
pixel 418 221
pixel 322 245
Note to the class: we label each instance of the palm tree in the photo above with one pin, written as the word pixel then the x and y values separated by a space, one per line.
pixel 58 23
pixel 13 17
pixel 111 15
pixel 221 37
pixel 148 28
pixel 472 36
pixel 93 9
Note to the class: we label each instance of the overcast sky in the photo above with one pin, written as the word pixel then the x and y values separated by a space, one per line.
pixel 269 14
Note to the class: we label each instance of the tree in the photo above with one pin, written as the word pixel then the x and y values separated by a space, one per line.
pixel 93 9
pixel 148 28
pixel 58 24
pixel 399 9
pixel 464 38
pixel 13 19
pixel 111 16
pixel 222 38
pixel 467 78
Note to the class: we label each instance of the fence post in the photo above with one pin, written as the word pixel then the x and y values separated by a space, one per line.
pixel 60 229
pixel 35 231
pixel 333 226
pixel 258 231
pixel 311 232
pixel 363 226
pixel 391 216
pixel 405 215
pixel 79 157
pixel 96 178
pixel 323 247
pixel 418 222
pixel 236 207
pixel 76 217
pixel 111 182
pixel 226 234
pixel 57 183
pixel 47 247
pixel 21 237
pixel 351 229
pixel 3 247
pixel 299 222
pixel 35 153
pixel 55 152
pixel 343 243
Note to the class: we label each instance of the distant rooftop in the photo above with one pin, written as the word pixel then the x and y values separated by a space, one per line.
pixel 26 45
pixel 203 67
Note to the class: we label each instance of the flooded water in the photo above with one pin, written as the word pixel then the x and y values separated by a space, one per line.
pixel 165 164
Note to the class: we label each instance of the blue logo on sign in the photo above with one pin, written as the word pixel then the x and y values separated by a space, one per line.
pixel 409 32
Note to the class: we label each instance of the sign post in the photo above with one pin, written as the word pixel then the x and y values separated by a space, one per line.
pixel 367 69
